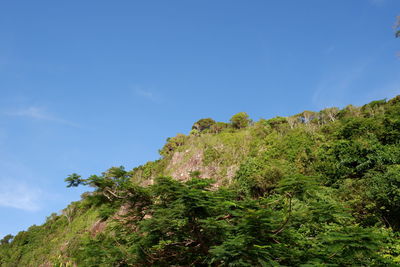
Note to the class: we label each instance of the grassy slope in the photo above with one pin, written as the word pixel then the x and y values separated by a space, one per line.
pixel 50 242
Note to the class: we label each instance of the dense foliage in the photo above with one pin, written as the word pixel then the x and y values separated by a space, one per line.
pixel 315 189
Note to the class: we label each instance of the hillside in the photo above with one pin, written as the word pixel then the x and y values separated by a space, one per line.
pixel 314 189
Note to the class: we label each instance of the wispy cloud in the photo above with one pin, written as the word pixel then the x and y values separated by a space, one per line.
pixel 349 85
pixel 378 2
pixel 38 113
pixel 19 186
pixel 19 196
pixel 32 112
pixel 388 90
pixel 148 94
pixel 329 50
pixel 334 88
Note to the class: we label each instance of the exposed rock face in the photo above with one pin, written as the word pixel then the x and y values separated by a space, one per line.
pixel 183 163
pixel 98 227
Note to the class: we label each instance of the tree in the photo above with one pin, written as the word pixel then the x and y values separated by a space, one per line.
pixel 69 212
pixel 219 127
pixel 6 239
pixel 240 120
pixel 306 116
pixel 373 108
pixel 74 180
pixel 112 184
pixel 292 121
pixel 172 144
pixel 329 114
pixel 349 111
pixel 277 122
pixel 203 124
pixel 384 190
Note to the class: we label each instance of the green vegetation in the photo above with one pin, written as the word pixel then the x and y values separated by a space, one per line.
pixel 314 189
pixel 203 124
pixel 240 120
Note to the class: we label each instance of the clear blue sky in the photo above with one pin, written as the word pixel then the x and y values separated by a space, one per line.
pixel 86 85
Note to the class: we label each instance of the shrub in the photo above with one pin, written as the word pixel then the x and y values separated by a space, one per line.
pixel 203 124
pixel 240 120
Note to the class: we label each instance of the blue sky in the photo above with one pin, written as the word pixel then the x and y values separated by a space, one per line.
pixel 86 85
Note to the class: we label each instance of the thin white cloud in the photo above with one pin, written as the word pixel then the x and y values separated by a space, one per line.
pixel 18 189
pixel 32 112
pixel 342 87
pixel 19 196
pixel 378 2
pixel 329 50
pixel 147 94
pixel 334 88
pixel 388 91
pixel 38 113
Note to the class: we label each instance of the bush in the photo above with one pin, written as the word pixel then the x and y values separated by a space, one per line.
pixel 172 144
pixel 240 120
pixel 203 124
pixel 219 127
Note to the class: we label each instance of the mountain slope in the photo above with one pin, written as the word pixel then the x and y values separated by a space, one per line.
pixel 314 189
